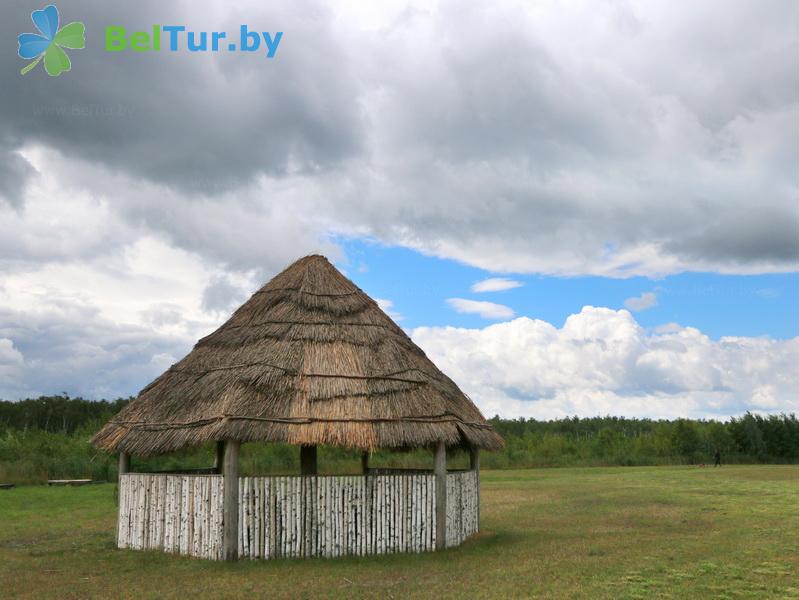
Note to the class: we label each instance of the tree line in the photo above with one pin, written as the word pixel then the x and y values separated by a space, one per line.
pixel 619 440
pixel 57 414
pixel 48 437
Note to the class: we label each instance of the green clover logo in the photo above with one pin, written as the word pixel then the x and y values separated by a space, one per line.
pixel 51 43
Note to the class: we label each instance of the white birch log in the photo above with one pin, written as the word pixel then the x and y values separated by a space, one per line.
pixel 193 512
pixel 341 489
pixel 333 517
pixel 134 518
pixel 190 516
pixel 152 541
pixel 394 508
pixel 298 483
pixel 169 515
pixel 178 512
pixel 168 524
pixel 209 542
pixel 349 546
pixel 142 501
pixel 134 510
pixel 294 511
pixel 147 504
pixel 422 524
pixel 304 516
pixel 423 506
pixel 261 514
pixel 291 516
pixel 409 513
pixel 159 523
pixel 281 514
pixel 243 546
pixel 121 511
pixel 324 546
pixel 430 507
pixel 389 514
pixel 272 518
pixel 344 515
pixel 402 504
pixel 369 512
pixel 286 516
pixel 315 523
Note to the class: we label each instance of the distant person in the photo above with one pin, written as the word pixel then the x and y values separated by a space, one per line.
pixel 717 458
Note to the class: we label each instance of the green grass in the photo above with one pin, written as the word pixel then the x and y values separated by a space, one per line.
pixel 641 532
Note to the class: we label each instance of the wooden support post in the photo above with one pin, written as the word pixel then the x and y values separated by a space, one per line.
pixel 124 463
pixel 474 459
pixel 219 457
pixel 308 460
pixel 230 513
pixel 440 471
pixel 365 463
pixel 474 465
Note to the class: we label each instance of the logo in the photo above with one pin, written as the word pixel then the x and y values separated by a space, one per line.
pixel 178 37
pixel 49 44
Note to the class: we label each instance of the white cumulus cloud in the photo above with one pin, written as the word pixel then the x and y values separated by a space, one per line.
pixel 642 302
pixel 603 362
pixel 487 310
pixel 496 284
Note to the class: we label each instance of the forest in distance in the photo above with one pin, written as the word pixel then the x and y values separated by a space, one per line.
pixel 48 438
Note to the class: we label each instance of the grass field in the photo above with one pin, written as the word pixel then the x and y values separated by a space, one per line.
pixel 663 532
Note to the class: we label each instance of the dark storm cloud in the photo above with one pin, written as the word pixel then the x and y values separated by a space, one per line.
pixel 202 123
pixel 612 139
pixel 759 234
pixel 560 142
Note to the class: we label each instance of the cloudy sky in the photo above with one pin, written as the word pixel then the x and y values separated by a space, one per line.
pixel 578 208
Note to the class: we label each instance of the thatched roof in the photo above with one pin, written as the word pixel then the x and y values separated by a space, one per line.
pixel 308 359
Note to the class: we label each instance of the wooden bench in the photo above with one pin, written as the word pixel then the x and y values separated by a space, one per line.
pixel 68 481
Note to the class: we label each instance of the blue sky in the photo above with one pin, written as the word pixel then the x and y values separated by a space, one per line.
pixel 718 305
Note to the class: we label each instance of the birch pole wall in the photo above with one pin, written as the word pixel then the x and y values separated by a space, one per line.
pixel 296 516
pixel 440 468
pixel 180 514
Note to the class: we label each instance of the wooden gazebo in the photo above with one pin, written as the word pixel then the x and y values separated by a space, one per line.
pixel 309 359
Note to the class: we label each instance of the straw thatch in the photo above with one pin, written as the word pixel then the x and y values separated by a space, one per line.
pixel 308 359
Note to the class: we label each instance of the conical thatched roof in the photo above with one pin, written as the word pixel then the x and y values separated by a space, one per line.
pixel 308 359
